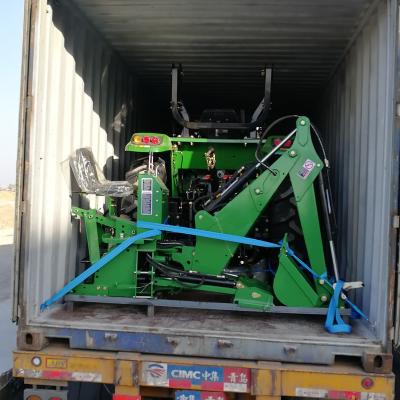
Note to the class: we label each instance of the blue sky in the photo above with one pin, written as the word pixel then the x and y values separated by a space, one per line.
pixel 11 21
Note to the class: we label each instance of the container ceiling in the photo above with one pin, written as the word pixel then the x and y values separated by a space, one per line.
pixel 224 44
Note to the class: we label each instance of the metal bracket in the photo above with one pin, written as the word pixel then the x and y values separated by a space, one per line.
pixel 201 305
pixel 352 285
pixel 179 116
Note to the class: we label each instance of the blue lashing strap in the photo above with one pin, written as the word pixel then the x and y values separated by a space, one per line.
pixel 334 327
pixel 207 234
pixel 97 265
pixel 356 311
pixel 155 229
pixel 334 322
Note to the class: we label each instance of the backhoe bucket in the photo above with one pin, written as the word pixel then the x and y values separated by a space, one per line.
pixel 291 286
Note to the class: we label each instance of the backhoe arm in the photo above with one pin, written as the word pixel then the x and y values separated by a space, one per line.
pixel 302 165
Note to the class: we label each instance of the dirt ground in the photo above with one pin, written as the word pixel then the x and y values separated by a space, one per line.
pixel 7 207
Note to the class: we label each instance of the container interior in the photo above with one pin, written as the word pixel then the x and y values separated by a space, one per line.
pixel 101 70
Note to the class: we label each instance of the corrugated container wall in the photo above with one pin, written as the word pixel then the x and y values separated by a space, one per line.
pixel 358 126
pixel 81 97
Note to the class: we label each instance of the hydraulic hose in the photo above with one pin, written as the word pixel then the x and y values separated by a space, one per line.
pixel 179 275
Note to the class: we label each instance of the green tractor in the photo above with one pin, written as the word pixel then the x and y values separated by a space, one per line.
pixel 214 217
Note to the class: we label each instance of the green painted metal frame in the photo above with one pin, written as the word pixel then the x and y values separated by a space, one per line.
pixel 240 214
pixel 208 256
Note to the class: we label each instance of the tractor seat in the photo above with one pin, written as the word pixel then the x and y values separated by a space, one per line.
pixel 91 180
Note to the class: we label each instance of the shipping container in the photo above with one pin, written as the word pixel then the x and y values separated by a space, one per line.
pixel 96 71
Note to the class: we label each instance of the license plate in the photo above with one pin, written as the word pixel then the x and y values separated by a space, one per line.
pixel 58 363
pixel 199 395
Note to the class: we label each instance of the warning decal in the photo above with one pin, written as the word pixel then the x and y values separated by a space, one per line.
pixel 306 169
pixel 147 196
pixel 203 377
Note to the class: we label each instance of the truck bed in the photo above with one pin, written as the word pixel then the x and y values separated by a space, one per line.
pixel 159 376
